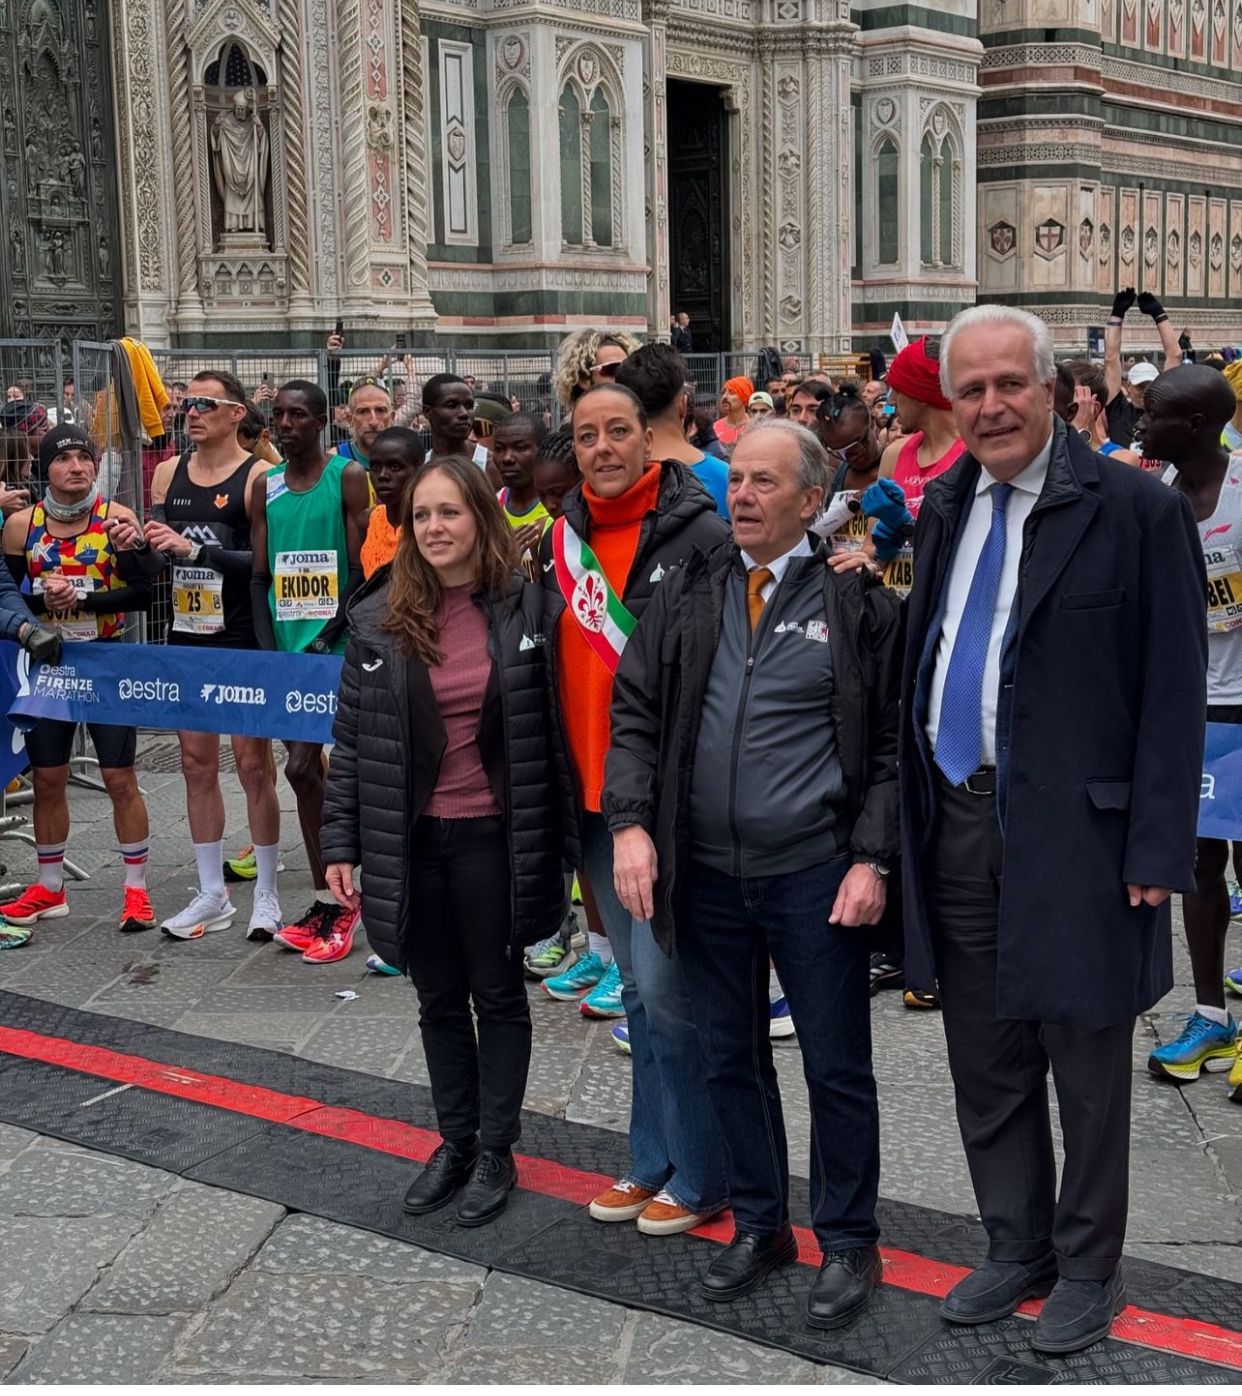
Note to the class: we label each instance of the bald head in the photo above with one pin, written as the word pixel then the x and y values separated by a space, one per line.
pixel 1184 413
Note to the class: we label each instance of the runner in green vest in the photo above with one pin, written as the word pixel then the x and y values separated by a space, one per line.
pixel 307 525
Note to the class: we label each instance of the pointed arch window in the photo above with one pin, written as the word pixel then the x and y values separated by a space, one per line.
pixel 599 142
pixel 518 119
pixel 888 210
pixel 940 198
pixel 591 116
pixel 571 167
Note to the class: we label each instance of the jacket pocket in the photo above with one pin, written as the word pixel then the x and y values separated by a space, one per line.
pixel 1092 600
pixel 1109 794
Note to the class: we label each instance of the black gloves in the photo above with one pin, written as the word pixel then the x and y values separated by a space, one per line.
pixel 41 644
pixel 1149 305
pixel 1122 302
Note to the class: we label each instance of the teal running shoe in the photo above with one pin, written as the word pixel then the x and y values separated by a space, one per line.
pixel 1235 902
pixel 1233 981
pixel 546 957
pixel 604 1001
pixel 581 977
pixel 621 1036
pixel 1200 1046
pixel 13 936
pixel 378 966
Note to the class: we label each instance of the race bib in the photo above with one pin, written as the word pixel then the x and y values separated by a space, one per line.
pixel 1224 589
pixel 73 626
pixel 306 586
pixel 899 571
pixel 198 601
pixel 850 533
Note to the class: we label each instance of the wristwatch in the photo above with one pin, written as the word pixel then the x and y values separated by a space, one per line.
pixel 877 867
pixel 196 551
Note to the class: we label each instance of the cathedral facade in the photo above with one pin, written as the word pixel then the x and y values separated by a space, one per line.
pixel 495 172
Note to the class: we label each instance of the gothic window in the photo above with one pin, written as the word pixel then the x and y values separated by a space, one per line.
pixel 600 145
pixel 940 173
pixel 571 167
pixel 520 230
pixel 887 213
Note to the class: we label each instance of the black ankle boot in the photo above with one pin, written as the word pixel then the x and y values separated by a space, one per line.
pixel 487 1192
pixel 446 1173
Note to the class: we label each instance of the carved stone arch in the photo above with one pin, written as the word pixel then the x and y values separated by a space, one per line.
pixel 942 124
pixel 233 21
pixel 587 65
pixel 588 68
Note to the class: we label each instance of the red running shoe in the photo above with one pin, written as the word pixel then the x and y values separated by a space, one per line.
pixel 338 942
pixel 137 914
pixel 36 903
pixel 301 934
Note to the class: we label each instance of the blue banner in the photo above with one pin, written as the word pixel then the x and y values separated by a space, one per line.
pixel 1220 798
pixel 244 693
pixel 13 745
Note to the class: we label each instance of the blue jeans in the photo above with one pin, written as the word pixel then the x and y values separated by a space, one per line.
pixel 675 1141
pixel 731 927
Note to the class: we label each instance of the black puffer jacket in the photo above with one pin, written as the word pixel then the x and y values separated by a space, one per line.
pixel 389 742
pixel 683 522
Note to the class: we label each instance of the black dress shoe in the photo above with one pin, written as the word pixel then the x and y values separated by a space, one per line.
pixel 487 1192
pixel 1078 1313
pixel 741 1266
pixel 996 1288
pixel 446 1173
pixel 843 1287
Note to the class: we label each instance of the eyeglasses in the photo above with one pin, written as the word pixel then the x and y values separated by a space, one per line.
pixel 605 370
pixel 842 452
pixel 203 405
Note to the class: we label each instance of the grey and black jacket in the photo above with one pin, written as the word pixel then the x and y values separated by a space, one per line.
pixel 389 742
pixel 658 704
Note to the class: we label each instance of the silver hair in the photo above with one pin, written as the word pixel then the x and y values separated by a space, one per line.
pixel 1040 335
pixel 814 470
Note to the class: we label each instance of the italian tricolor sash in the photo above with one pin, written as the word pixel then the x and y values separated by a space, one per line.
pixel 606 624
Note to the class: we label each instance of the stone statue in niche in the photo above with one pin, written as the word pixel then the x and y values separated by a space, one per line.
pixel 239 144
pixel 18 250
pixel 10 129
pixel 73 169
pixel 104 259
pixel 97 140
pixel 54 256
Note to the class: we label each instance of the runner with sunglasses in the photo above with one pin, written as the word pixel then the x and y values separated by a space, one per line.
pixel 200 523
pixel 845 426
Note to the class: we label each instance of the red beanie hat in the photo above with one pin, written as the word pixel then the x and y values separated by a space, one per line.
pixel 917 375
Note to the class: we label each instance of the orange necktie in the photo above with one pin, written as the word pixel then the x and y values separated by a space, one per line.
pixel 756 579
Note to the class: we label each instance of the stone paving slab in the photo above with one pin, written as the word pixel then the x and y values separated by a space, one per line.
pixel 104 1349
pixel 48 1263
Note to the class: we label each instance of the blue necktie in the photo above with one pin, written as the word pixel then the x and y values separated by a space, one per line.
pixel 960 734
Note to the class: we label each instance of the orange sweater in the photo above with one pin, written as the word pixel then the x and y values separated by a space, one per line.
pixel 380 544
pixel 585 684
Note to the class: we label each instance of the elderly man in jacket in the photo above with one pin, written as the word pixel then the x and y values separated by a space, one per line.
pixel 751 793
pixel 1051 756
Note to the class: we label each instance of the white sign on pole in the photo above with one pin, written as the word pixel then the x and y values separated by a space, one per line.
pixel 898 334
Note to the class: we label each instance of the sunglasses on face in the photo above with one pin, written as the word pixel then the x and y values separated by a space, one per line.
pixel 605 370
pixel 842 452
pixel 203 405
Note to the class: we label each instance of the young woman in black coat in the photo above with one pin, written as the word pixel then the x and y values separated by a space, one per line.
pixel 442 785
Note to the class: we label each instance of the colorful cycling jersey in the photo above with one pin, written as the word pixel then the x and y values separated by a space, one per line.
pixel 88 560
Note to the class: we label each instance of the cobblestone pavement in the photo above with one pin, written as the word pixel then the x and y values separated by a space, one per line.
pixel 114 1272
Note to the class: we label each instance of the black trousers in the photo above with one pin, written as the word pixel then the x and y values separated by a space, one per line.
pixel 459 954
pixel 1000 1070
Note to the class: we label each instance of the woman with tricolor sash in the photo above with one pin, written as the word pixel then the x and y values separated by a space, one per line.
pixel 621 530
pixel 443 785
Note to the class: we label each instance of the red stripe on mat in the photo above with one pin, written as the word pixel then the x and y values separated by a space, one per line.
pixel 1186 1337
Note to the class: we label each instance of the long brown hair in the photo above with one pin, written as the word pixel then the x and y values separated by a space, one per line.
pixel 414 589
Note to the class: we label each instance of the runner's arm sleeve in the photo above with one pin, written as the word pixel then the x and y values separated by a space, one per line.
pixel 331 632
pixel 134 570
pixel 260 609
pixel 339 840
pixel 1168 750
pixel 18 572
pixel 630 766
pixel 229 562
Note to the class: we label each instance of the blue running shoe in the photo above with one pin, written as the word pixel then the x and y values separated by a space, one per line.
pixel 1233 981
pixel 604 1001
pixel 1200 1046
pixel 1235 902
pixel 621 1036
pixel 582 976
pixel 780 1022
pixel 378 966
pixel 544 959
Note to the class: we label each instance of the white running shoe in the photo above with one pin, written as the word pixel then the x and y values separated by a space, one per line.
pixel 265 917
pixel 207 912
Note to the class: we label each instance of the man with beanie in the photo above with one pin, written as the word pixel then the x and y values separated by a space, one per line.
pixel 734 399
pixel 1125 394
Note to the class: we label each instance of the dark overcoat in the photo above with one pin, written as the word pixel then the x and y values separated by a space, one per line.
pixel 1099 735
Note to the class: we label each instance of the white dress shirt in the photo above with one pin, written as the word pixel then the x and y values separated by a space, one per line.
pixel 1026 491
pixel 777 566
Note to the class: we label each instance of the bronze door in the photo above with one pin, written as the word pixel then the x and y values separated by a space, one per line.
pixel 60 276
pixel 698 200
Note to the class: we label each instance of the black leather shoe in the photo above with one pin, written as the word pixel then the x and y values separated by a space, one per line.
pixel 843 1287
pixel 996 1288
pixel 744 1262
pixel 446 1173
pixel 1078 1313
pixel 487 1192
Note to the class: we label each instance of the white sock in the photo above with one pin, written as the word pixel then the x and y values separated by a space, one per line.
pixel 774 986
pixel 210 860
pixel 135 858
pixel 266 860
pixel 598 945
pixel 51 865
pixel 1213 1015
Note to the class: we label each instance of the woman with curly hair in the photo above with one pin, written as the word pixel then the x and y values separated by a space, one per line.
pixel 588 358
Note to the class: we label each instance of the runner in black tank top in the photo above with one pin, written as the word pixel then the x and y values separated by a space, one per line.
pixel 214 517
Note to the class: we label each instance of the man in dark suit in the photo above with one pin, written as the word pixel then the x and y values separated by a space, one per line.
pixel 1051 756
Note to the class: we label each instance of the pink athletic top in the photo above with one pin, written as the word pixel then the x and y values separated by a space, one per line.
pixel 912 477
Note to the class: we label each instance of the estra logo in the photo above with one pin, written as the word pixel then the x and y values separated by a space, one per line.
pixel 314 704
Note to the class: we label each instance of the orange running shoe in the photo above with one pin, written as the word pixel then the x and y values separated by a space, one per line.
pixel 137 913
pixel 36 903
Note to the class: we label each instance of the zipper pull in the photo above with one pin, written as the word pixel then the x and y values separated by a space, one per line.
pixel 750 662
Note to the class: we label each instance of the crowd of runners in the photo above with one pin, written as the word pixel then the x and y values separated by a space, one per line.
pixel 714 729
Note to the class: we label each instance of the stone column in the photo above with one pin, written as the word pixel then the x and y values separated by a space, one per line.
pixel 655 152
